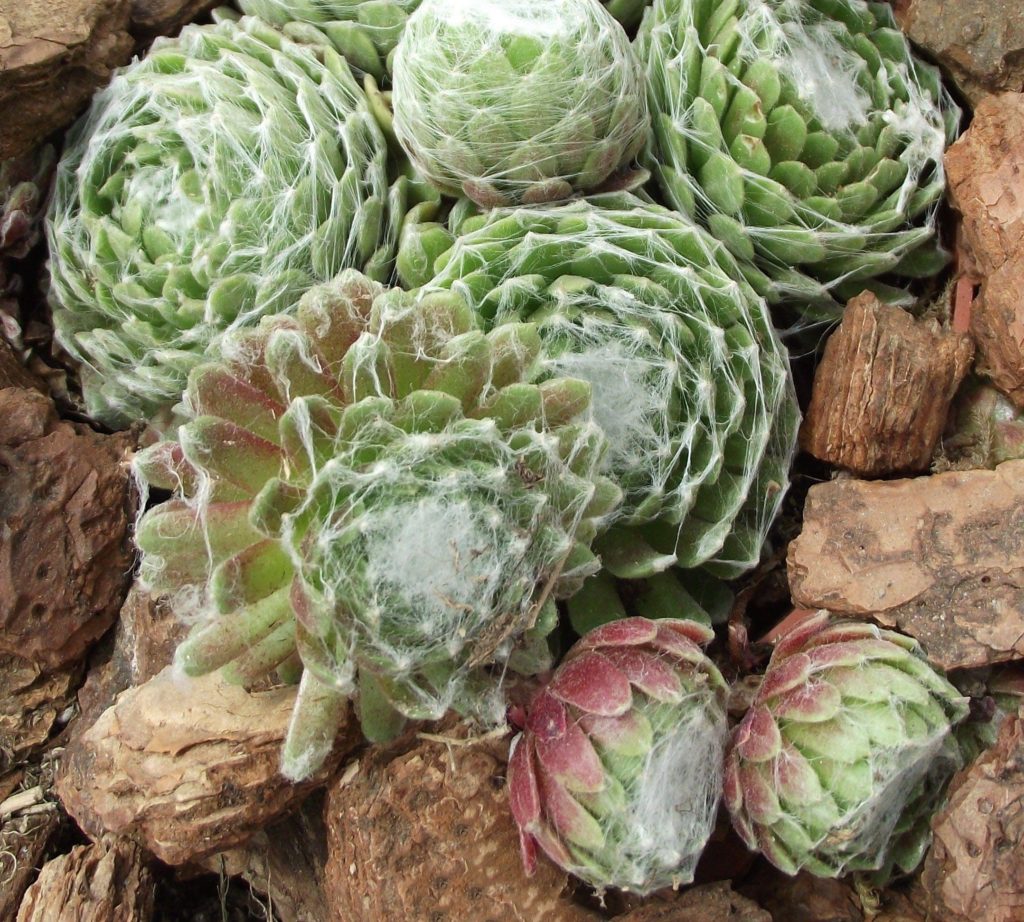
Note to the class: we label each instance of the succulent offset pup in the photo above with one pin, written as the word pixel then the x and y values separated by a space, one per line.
pixel 515 103
pixel 374 486
pixel 805 135
pixel 210 184
pixel 845 752
pixel 690 383
pixel 618 771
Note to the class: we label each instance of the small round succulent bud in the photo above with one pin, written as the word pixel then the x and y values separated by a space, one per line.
pixel 618 771
pixel 515 103
pixel 845 751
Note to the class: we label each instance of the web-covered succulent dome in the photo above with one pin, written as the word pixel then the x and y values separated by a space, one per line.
pixel 517 103
pixel 845 752
pixel 690 383
pixel 374 485
pixel 806 136
pixel 210 184
pixel 618 771
pixel 366 32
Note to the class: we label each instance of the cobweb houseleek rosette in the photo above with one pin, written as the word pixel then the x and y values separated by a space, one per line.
pixel 806 136
pixel 371 489
pixel 211 183
pixel 845 751
pixel 517 103
pixel 618 771
pixel 690 383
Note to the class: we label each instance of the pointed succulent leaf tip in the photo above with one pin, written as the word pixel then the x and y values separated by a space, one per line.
pixel 836 768
pixel 164 241
pixel 628 799
pixel 388 523
pixel 686 376
pixel 806 137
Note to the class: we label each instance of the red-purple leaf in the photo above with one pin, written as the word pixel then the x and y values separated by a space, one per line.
pixel 523 793
pixel 648 672
pixel 812 702
pixel 547 717
pixel 757 738
pixel 759 800
pixel 591 683
pixel 792 672
pixel 571 760
pixel 626 632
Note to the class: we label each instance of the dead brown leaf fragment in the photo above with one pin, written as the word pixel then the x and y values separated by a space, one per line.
pixel 434 824
pixel 108 881
pixel 186 767
pixel 975 869
pixel 940 558
pixel 883 390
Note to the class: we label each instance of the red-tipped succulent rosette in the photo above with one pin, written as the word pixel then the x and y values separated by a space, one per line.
pixel 618 771
pixel 845 751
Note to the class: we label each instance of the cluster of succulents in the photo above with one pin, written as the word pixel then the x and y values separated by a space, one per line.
pixel 439 386
pixel 805 135
pixel 374 484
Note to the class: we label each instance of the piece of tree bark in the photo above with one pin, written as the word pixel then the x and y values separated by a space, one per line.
pixel 427 834
pixel 108 881
pixel 980 42
pixel 975 869
pixel 65 557
pixel 13 373
pixel 23 841
pixel 285 863
pixel 143 643
pixel 31 702
pixel 883 390
pixel 187 767
pixel 986 176
pixel 715 902
pixel 940 558
pixel 53 56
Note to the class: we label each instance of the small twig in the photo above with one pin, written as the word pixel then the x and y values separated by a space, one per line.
pixel 19 802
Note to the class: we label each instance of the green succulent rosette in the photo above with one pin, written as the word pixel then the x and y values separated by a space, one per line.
pixel 210 184
pixel 845 752
pixel 372 490
pixel 690 383
pixel 806 136
pixel 517 103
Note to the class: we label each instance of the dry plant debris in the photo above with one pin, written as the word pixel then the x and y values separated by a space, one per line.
pixel 883 390
pixel 940 558
pixel 974 870
pixel 32 702
pixel 186 767
pixel 23 841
